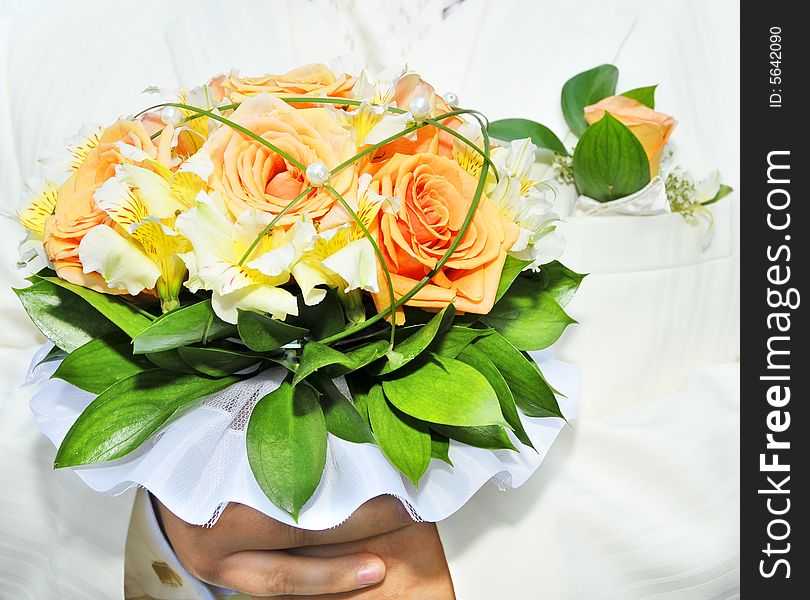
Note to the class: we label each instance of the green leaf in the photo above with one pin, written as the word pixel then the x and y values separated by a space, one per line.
pixel 489 437
pixel 123 314
pixel 645 95
pixel 440 447
pixel 404 440
pixel 318 356
pixel 262 334
pixel 584 89
pixel 456 339
pixel 100 363
pixel 130 411
pixel 528 316
pixel 563 283
pixel 170 360
pixel 721 193
pixel 193 324
pixel 216 362
pixel 61 316
pixel 531 392
pixel 414 345
pixel 609 161
pixel 514 129
pixel 512 267
pixel 342 418
pixel 481 363
pixel 286 446
pixel 323 319
pixel 445 391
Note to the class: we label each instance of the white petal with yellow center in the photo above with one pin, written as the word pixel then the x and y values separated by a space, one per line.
pixel 120 261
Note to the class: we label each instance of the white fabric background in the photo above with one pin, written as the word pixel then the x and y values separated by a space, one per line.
pixel 640 500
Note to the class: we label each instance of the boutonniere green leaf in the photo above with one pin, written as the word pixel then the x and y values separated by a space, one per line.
pixel 584 89
pixel 645 95
pixel 609 161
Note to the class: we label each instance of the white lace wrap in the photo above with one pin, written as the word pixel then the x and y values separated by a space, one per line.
pixel 198 463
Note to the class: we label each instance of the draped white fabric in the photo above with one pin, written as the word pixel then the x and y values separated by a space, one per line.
pixel 640 499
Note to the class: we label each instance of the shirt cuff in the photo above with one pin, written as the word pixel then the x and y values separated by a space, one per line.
pixel 152 568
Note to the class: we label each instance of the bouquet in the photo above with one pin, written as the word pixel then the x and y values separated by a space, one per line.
pixel 360 237
pixel 621 164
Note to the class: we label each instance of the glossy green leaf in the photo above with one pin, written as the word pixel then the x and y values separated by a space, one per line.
pixel 456 339
pixel 404 441
pixel 342 418
pixel 216 362
pixel 528 316
pixel 122 313
pixel 170 360
pixel 584 89
pixel 262 333
pixel 562 283
pixel 609 161
pixel 481 363
pixel 531 392
pixel 445 391
pixel 319 356
pixel 514 129
pixel 100 363
pixel 127 413
pixel 645 95
pixel 193 324
pixel 440 447
pixel 412 346
pixel 512 267
pixel 61 316
pixel 489 437
pixel 286 446
pixel 323 319
pixel 721 193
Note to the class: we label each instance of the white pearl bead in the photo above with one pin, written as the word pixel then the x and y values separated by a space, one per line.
pixel 420 107
pixel 452 99
pixel 318 174
pixel 171 116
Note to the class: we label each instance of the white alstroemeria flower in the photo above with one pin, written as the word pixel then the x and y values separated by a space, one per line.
pixel 64 162
pixel 516 160
pixel 140 251
pixel 39 203
pixel 466 156
pixel 371 121
pixel 519 200
pixel 198 129
pixel 343 257
pixel 218 244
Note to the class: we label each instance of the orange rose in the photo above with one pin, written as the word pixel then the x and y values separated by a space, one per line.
pixel 249 175
pixel 309 80
pixel 435 194
pixel 650 127
pixel 76 211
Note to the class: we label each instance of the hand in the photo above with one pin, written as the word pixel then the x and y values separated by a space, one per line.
pixel 254 554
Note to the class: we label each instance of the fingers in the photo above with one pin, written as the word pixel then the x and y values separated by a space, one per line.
pixel 276 573
pixel 259 532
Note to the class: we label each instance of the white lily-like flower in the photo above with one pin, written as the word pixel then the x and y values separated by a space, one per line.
pixel 64 162
pixel 517 197
pixel 140 249
pixel 372 122
pixel 708 187
pixel 38 205
pixel 218 245
pixel 466 156
pixel 343 257
pixel 195 131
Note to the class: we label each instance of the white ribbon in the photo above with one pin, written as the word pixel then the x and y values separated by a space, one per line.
pixel 650 200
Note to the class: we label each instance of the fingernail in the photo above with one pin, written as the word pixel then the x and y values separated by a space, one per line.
pixel 370 574
pixel 403 516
